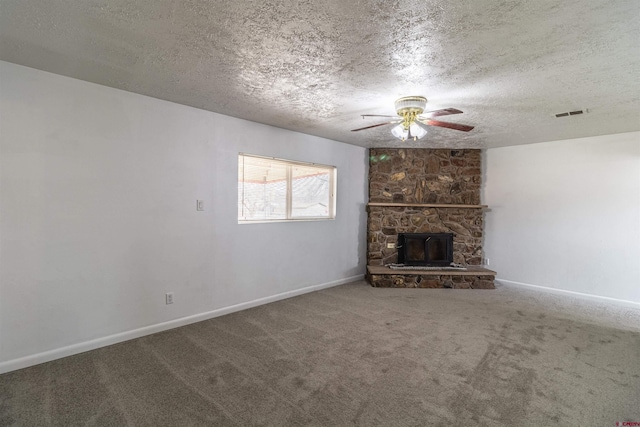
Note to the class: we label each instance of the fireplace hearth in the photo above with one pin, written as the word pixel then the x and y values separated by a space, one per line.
pixel 425 249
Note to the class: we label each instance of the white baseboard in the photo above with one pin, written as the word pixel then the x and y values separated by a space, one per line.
pixel 598 298
pixel 47 356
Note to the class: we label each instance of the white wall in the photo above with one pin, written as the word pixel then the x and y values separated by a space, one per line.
pixel 566 215
pixel 98 221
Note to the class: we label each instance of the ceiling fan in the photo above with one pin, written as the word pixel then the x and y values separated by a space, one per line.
pixel 413 121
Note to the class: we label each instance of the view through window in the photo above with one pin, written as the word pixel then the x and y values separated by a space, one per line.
pixel 272 189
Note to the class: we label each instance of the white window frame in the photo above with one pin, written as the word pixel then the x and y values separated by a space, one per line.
pixel 333 171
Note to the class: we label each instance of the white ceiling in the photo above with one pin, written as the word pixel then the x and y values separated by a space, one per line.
pixel 315 66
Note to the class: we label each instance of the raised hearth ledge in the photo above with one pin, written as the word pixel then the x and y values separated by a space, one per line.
pixel 471 270
pixel 475 277
pixel 426 205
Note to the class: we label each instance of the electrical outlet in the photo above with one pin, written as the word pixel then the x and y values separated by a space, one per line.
pixel 391 245
pixel 486 261
pixel 199 205
pixel 169 297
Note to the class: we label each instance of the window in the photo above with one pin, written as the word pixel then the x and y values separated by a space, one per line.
pixel 272 189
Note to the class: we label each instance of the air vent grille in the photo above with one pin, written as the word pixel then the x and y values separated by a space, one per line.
pixel 572 113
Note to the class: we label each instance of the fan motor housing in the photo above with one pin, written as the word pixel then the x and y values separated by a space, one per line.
pixel 413 105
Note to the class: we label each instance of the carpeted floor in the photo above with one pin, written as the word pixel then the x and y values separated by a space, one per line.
pixel 355 355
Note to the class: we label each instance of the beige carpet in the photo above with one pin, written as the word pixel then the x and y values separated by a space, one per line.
pixel 355 355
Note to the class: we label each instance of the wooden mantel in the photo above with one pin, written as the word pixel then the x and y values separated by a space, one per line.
pixel 427 205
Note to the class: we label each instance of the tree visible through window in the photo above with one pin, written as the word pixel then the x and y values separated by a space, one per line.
pixel 274 190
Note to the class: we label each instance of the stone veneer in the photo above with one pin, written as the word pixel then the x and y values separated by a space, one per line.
pixel 385 223
pixel 425 176
pixel 430 281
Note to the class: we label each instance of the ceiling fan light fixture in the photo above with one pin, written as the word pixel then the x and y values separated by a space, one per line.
pixel 403 134
pixel 399 132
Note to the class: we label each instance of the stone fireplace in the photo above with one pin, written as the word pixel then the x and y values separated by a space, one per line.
pixel 419 192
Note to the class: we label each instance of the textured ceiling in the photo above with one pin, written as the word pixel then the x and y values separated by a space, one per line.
pixel 315 66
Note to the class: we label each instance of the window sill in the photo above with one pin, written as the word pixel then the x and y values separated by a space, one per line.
pixel 267 221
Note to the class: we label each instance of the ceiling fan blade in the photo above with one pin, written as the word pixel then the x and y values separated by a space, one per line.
pixel 455 126
pixel 374 126
pixel 376 115
pixel 438 113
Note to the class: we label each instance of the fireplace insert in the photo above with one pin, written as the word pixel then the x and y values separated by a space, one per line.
pixel 427 249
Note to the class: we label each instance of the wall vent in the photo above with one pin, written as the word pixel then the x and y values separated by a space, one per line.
pixel 572 113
